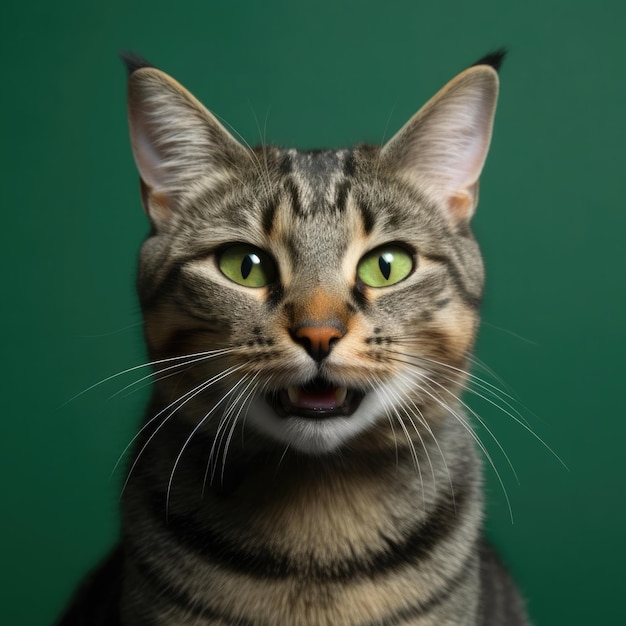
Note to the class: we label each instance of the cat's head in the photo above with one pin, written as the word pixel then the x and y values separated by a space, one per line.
pixel 325 297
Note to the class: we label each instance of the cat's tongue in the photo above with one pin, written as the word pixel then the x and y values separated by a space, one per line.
pixel 321 399
pixel 317 399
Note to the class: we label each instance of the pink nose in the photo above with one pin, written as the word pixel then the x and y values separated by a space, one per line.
pixel 318 341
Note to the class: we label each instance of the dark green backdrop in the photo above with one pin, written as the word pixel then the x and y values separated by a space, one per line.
pixel 325 73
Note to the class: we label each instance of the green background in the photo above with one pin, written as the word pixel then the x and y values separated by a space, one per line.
pixel 551 222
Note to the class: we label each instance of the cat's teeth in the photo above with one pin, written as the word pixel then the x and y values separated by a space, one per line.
pixel 340 395
pixel 294 395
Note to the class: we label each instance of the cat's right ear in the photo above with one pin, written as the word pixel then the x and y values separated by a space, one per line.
pixel 177 143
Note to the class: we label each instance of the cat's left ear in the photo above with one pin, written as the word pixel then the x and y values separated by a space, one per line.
pixel 443 147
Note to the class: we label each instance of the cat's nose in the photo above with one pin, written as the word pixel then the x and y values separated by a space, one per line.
pixel 318 341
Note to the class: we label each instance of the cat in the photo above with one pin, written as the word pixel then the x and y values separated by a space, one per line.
pixel 305 459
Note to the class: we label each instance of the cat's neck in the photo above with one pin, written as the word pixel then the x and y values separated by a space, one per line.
pixel 259 485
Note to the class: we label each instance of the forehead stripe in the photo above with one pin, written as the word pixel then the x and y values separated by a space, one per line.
pixel 267 215
pixel 349 165
pixel 286 164
pixel 343 189
pixel 294 195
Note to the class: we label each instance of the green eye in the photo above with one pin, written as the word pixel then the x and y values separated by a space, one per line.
pixel 385 266
pixel 247 266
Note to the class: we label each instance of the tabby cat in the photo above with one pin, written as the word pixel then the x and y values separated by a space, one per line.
pixel 305 459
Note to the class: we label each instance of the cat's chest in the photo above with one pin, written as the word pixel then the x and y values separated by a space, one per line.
pixel 299 543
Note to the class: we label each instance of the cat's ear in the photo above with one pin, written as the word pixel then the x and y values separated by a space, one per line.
pixel 177 143
pixel 444 145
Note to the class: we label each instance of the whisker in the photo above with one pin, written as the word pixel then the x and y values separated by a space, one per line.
pixel 513 413
pixel 263 136
pixel 461 420
pixel 374 385
pixel 405 408
pixel 232 429
pixel 221 430
pixel 407 414
pixel 206 353
pixel 157 375
pixel 422 420
pixel 381 389
pixel 384 137
pixel 428 380
pixel 261 171
pixel 510 332
pixel 187 441
pixel 217 440
pixel 282 457
pixel 264 385
pixel 188 396
pixel 486 385
pixel 482 365
pixel 479 419
pixel 236 417
pixel 118 331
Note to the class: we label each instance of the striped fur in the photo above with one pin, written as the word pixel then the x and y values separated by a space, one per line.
pixel 245 506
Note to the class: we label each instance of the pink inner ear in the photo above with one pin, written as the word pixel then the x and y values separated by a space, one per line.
pixel 461 204
pixel 466 170
pixel 155 199
pixel 176 141
pixel 146 158
pixel 159 206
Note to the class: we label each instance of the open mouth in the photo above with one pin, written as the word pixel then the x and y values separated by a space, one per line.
pixel 318 399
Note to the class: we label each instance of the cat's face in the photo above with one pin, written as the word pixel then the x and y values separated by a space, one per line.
pixel 335 292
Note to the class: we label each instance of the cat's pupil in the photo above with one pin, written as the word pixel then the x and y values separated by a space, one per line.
pixel 384 263
pixel 249 261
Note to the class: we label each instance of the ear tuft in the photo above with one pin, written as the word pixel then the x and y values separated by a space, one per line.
pixel 134 62
pixel 493 59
